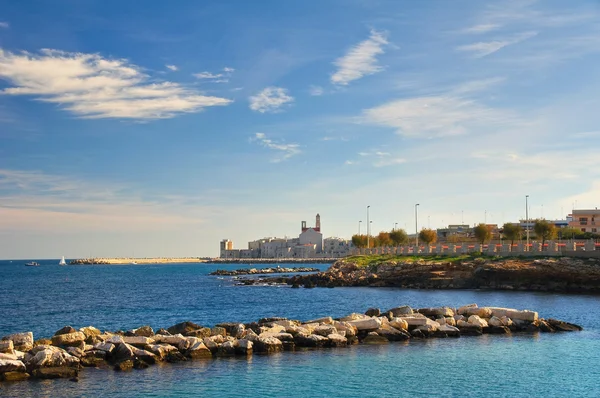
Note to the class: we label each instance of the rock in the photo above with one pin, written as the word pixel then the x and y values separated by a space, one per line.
pixel 123 352
pixel 42 342
pixel 374 338
pixel 436 311
pixel 162 331
pixel 469 329
pixel 7 347
pixel 124 365
pixel 373 312
pixel 21 341
pixel 10 357
pixel 161 350
pixel 463 310
pixel 286 323
pixel 140 364
pixel 138 340
pixel 90 331
pixel 244 347
pixel 65 330
pixel 14 376
pixel 250 335
pixel 184 328
pixel 7 365
pixel 449 330
pixel 336 340
pixel 477 321
pixel 199 351
pixel 312 340
pixel 399 311
pixel 106 347
pixel 55 372
pixel 76 352
pixel 68 339
pixel 268 345
pixel 525 315
pixel 327 320
pixel 353 317
pixel 392 334
pixel 200 333
pixel 272 319
pixel 325 330
pixel 176 340
pixel 144 331
pixel 417 333
pixel 227 349
pixel 50 356
pixel 345 328
pixel 562 326
pixel 497 330
pixel 366 324
pixel 217 330
pixel 399 323
pixel 495 321
pixel 414 320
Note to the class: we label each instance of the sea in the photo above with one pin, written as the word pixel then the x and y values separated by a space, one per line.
pixel 120 297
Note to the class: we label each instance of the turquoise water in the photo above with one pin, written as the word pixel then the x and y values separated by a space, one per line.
pixel 45 298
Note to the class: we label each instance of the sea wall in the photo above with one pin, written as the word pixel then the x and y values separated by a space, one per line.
pixel 70 350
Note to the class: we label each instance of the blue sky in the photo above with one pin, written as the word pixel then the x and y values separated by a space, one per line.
pixel 160 130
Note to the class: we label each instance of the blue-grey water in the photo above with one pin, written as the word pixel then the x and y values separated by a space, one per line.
pixel 43 299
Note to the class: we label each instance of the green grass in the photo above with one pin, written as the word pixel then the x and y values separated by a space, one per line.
pixel 373 260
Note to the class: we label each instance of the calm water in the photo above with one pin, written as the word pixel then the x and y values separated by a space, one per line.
pixel 43 299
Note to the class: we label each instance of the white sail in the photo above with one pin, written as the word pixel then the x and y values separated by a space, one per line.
pixel 62 261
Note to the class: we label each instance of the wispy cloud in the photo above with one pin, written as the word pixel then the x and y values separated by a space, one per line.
pixel 222 77
pixel 477 85
pixel 94 87
pixel 360 60
pixel 270 100
pixel 316 90
pixel 381 158
pixel 172 67
pixel 285 151
pixel 482 49
pixel 435 116
pixel 4 25
pixel 481 28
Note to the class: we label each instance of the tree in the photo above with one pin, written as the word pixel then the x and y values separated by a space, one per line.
pixel 544 230
pixel 428 236
pixel 483 233
pixel 512 231
pixel 383 239
pixel 359 241
pixel 399 237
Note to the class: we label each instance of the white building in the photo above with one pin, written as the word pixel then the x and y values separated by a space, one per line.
pixel 337 247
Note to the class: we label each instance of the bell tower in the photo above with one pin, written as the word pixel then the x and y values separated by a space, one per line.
pixel 318 223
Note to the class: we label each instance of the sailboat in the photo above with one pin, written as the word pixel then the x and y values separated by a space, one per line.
pixel 62 261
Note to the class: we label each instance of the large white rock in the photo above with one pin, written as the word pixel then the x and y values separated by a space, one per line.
pixel 345 329
pixel 478 321
pixel 337 340
pixel 7 365
pixel 21 341
pixel 366 324
pixel 293 329
pixel 399 323
pixel 525 315
pixel 328 320
pixel 285 323
pixel 353 317
pixel 451 321
pixel 68 338
pixel 175 340
pixel 437 311
pixel 200 350
pixel 7 347
pixel 106 347
pixel 414 321
pixel 273 330
pixel 245 345
pixel 8 357
pixel 138 340
pixel 50 356
pixel 90 331
pixel 448 329
pixel 324 330
pixel 469 307
pixel 115 339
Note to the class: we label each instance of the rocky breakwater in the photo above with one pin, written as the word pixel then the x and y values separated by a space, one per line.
pixel 567 275
pixel 260 271
pixel 70 350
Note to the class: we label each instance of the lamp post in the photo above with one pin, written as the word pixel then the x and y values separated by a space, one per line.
pixel 368 229
pixel 417 227
pixel 395 225
pixel 527 220
pixel 359 228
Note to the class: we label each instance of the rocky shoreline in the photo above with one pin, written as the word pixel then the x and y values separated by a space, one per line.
pixel 259 271
pixel 563 275
pixel 70 350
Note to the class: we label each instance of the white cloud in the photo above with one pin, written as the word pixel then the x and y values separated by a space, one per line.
pixel 207 75
pixel 481 28
pixel 285 150
pixel 482 49
pixel 172 67
pixel 4 25
pixel 349 162
pixel 316 90
pixel 215 77
pixel 228 69
pixel 360 60
pixel 477 85
pixel 91 86
pixel 270 99
pixel 434 116
pixel 381 158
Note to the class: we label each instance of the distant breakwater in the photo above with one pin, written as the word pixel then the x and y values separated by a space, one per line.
pixel 562 275
pixel 66 353
pixel 273 260
pixel 134 261
pixel 260 271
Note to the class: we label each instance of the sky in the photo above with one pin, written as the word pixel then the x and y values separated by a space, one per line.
pixel 159 130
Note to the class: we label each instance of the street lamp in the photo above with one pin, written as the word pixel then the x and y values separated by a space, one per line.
pixel 368 229
pixel 527 220
pixel 417 227
pixel 395 225
pixel 359 228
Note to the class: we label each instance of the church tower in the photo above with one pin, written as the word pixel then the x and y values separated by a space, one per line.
pixel 318 223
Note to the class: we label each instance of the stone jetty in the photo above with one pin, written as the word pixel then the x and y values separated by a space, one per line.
pixel 70 350
pixel 260 271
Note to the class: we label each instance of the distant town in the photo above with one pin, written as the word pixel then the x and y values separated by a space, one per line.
pixel 580 224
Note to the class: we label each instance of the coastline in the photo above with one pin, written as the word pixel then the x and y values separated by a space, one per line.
pixel 169 260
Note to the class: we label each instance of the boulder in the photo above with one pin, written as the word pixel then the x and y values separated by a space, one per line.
pixel 14 376
pixel 399 311
pixel 7 347
pixel 374 338
pixel 50 356
pixel 272 319
pixel 175 340
pixel 227 349
pixel 161 350
pixel 373 312
pixel 268 345
pixel 366 324
pixel 525 315
pixel 76 352
pixel 250 335
pixel 21 341
pixel 184 328
pixel 68 339
pixel 478 321
pixel 353 317
pixel 144 331
pixel 562 326
pixel 244 347
pixel 218 330
pixel 55 372
pixel 345 328
pixel 328 320
pixel 123 352
pixel 200 333
pixel 163 331
pixel 436 312
pixel 469 329
pixel 399 323
pixel 90 331
pixel 312 340
pixel 497 330
pixel 414 321
pixel 336 340
pixel 11 357
pixel 294 330
pixel 199 350
pixel 450 321
pixel 286 323
pixel 106 347
pixel 42 342
pixel 124 365
pixel 466 308
pixel 392 334
pixel 449 330
pixel 7 365
pixel 65 330
pixel 138 340
pixel 325 330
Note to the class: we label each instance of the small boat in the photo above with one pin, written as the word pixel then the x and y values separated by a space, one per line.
pixel 32 264
pixel 62 261
pixel 133 263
